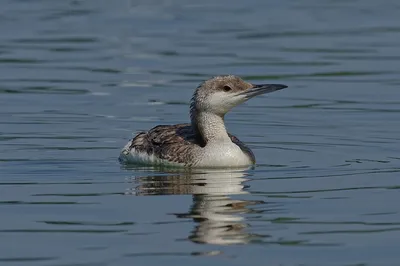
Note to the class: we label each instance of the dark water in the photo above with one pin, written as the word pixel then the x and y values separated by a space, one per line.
pixel 78 78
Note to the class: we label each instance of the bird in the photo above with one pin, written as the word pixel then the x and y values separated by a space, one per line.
pixel 204 142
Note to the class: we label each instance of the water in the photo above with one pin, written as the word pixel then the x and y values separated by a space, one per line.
pixel 78 78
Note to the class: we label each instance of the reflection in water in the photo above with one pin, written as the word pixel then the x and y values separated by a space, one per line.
pixel 216 214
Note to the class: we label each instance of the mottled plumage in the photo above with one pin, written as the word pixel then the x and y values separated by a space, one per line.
pixel 175 143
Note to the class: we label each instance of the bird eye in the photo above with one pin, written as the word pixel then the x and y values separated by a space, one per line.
pixel 227 88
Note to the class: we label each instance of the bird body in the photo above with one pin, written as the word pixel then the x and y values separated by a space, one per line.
pixel 178 145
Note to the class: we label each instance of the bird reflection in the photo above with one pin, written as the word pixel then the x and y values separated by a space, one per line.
pixel 217 216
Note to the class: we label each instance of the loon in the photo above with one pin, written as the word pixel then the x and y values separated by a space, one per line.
pixel 205 142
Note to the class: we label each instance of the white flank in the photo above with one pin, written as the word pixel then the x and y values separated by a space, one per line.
pixel 135 157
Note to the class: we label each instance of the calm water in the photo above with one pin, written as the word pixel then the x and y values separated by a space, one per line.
pixel 78 78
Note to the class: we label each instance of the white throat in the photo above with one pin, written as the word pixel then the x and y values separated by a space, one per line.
pixel 211 127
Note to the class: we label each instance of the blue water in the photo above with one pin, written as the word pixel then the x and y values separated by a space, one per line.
pixel 79 78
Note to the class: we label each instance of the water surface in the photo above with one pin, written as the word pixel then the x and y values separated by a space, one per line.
pixel 78 78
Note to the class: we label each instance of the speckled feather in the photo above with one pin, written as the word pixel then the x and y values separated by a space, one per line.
pixel 176 144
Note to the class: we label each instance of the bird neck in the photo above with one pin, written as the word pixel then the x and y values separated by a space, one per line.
pixel 209 126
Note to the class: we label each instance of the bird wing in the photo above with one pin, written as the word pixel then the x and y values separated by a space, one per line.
pixel 173 143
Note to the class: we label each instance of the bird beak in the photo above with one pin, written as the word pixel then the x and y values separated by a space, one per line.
pixel 262 89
